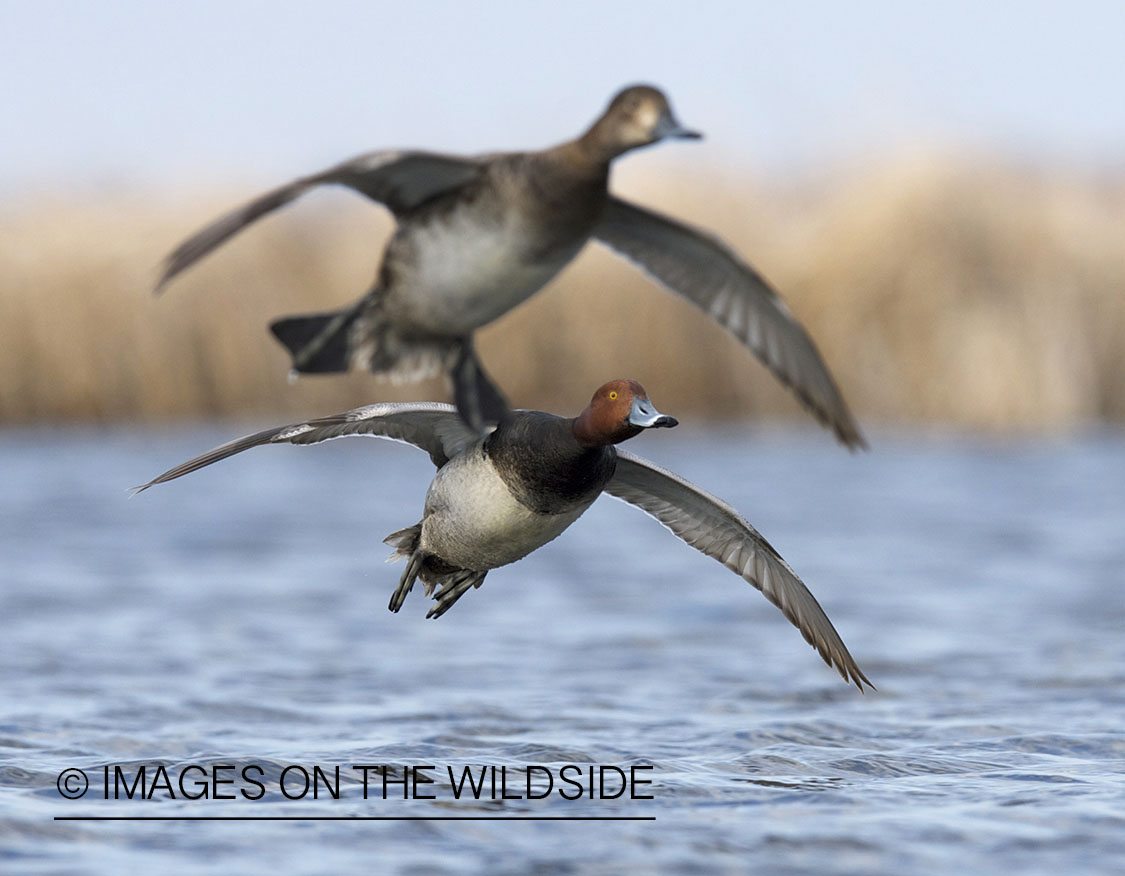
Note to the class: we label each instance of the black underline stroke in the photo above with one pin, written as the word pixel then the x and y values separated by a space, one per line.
pixel 355 818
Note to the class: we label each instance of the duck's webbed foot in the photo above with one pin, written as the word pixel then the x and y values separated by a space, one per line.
pixel 406 582
pixel 453 588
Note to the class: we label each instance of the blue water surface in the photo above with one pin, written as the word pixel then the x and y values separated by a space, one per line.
pixel 238 617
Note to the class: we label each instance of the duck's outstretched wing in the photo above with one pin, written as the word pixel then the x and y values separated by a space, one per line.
pixel 705 271
pixel 402 180
pixel 433 427
pixel 713 527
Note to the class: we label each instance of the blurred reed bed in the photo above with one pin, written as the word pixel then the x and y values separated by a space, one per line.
pixel 945 291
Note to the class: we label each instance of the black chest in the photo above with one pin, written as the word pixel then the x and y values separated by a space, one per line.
pixel 544 467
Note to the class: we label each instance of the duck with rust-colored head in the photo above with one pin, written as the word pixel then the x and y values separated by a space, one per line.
pixel 498 497
pixel 476 236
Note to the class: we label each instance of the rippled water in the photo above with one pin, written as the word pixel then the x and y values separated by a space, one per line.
pixel 238 617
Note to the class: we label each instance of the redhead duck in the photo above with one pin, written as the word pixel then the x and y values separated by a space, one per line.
pixel 476 236
pixel 497 498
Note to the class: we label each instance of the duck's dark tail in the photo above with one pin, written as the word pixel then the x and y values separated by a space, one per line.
pixel 362 337
pixel 320 343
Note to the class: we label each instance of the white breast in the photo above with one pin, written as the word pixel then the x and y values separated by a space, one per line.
pixel 458 273
pixel 473 521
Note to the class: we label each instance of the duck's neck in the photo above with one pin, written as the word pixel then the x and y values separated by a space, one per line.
pixel 588 434
pixel 585 156
pixel 581 431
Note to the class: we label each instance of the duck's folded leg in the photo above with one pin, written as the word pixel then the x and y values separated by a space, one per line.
pixel 453 588
pixel 478 401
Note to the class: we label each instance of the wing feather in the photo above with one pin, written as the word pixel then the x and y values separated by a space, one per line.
pixel 402 180
pixel 710 275
pixel 435 428
pixel 713 527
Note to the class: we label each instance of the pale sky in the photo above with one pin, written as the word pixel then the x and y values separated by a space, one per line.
pixel 137 93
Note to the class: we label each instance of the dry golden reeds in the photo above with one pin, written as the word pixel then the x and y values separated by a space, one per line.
pixel 940 291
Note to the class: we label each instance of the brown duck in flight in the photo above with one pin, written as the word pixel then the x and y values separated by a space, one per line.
pixel 477 236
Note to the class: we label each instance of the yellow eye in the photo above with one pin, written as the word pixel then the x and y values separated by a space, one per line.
pixel 613 394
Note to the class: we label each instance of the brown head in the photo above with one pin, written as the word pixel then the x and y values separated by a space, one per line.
pixel 619 410
pixel 637 116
